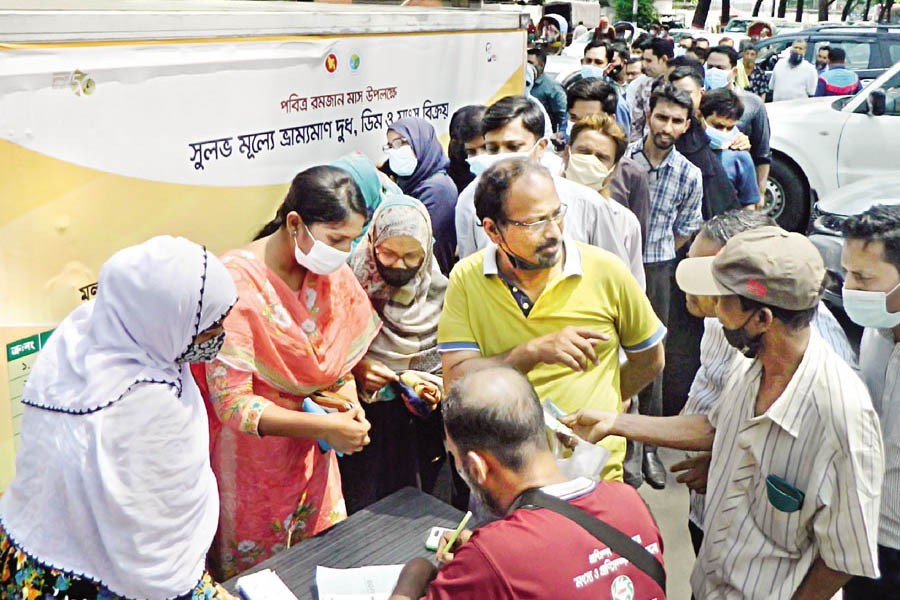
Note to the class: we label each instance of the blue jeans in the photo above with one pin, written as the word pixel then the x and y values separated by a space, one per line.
pixel 888 586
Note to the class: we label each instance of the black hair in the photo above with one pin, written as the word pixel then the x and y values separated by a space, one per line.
pixel 728 51
pixel 621 48
pixel 540 53
pixel 319 195
pixel 593 88
pixel 510 427
pixel 494 184
pixel 697 40
pixel 607 48
pixel 881 223
pixel 792 319
pixel 686 61
pixel 747 45
pixel 721 228
pixel 700 53
pixel 660 47
pixel 836 54
pixel 666 92
pixel 507 109
pixel 465 125
pixel 641 41
pixel 722 102
pixel 687 73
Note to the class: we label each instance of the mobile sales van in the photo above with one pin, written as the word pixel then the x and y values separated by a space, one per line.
pixel 124 120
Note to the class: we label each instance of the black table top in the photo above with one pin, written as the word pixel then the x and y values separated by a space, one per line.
pixel 391 531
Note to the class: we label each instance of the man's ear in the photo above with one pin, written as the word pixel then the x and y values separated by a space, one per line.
pixel 478 467
pixel 491 229
pixel 764 319
pixel 540 148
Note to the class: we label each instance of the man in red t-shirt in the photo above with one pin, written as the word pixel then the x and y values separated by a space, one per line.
pixel 495 431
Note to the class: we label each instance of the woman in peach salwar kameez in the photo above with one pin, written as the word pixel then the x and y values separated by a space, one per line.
pixel 300 325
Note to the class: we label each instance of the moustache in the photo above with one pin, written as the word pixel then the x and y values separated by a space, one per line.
pixel 550 245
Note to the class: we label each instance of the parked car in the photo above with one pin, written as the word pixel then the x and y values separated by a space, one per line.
pixel 833 209
pixel 822 144
pixel 870 50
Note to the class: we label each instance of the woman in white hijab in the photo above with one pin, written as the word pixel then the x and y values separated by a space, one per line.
pixel 113 495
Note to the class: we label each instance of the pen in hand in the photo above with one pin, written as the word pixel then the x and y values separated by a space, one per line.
pixel 442 552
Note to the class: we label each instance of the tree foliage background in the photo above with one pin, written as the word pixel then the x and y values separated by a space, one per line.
pixel 646 13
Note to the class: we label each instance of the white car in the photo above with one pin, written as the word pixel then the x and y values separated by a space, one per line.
pixel 831 212
pixel 821 144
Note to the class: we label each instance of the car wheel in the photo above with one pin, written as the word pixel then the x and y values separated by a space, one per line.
pixel 787 199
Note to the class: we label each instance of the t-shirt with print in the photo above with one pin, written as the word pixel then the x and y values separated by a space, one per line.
pixel 539 554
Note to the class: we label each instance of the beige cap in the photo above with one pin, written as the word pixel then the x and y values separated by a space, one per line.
pixel 766 264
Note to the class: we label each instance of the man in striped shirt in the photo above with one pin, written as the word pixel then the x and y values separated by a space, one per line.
pixel 797 460
pixel 717 355
pixel 871 259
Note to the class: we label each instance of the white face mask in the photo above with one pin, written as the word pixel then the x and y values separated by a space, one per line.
pixel 481 163
pixel 322 259
pixel 587 170
pixel 869 309
pixel 402 160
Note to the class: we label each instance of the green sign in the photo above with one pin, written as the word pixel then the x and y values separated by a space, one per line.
pixel 26 346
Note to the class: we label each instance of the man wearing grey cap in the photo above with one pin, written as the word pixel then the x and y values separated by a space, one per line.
pixel 797 458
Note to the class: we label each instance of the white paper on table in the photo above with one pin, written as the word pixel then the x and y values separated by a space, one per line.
pixel 363 583
pixel 264 585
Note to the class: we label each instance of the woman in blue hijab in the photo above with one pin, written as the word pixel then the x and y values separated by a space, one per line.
pixel 417 159
pixel 372 184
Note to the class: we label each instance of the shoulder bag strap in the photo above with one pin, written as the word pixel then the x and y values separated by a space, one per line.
pixel 614 539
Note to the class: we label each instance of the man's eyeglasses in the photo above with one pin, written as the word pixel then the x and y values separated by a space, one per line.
pixel 556 218
pixel 398 143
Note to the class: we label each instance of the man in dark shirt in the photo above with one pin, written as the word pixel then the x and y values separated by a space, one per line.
pixel 548 91
pixel 755 120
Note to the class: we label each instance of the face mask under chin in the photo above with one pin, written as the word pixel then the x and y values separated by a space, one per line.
pixel 746 344
pixel 522 264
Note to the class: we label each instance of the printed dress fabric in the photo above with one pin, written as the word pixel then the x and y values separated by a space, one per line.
pixel 27 578
pixel 281 346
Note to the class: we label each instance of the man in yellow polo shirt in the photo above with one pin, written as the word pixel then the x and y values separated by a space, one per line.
pixel 555 309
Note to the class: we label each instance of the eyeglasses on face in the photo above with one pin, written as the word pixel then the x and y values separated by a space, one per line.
pixel 556 218
pixel 412 260
pixel 398 143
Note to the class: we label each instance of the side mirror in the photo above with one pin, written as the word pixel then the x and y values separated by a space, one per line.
pixel 877 102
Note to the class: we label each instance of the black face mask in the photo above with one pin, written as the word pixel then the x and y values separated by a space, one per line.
pixel 747 344
pixel 395 277
pixel 795 59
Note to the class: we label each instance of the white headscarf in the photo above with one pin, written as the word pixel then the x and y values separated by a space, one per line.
pixel 112 476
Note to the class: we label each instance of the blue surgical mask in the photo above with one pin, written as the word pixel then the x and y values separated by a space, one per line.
pixel 402 160
pixel 591 72
pixel 869 309
pixel 716 78
pixel 718 139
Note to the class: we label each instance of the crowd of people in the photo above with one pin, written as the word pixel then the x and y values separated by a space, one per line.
pixel 597 242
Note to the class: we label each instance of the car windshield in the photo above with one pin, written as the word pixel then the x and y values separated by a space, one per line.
pixel 738 25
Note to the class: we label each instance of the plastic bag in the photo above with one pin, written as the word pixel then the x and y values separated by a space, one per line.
pixel 584 460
